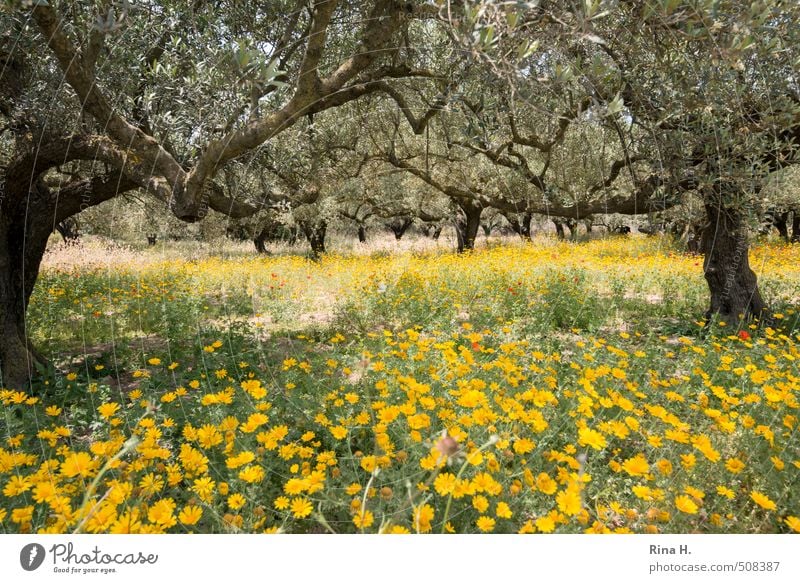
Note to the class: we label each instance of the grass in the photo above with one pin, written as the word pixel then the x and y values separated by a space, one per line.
pixel 548 387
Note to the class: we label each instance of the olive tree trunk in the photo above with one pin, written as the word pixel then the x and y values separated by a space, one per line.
pixel 559 229
pixel 522 225
pixel 315 234
pixel 467 226
pixel 20 257
pixel 733 285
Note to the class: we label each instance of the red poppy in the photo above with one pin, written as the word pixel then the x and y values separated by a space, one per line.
pixel 744 335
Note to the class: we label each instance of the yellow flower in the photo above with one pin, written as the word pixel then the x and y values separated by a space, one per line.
pixel 523 446
pixel 53 411
pixel 485 524
pixel 363 520
pixel 591 438
pixel 209 436
pixel 204 488
pixel 295 486
pixel 636 466
pixel 369 463
pixel 127 523
pixel 546 484
pixel 642 492
pixel 161 513
pixel 545 524
pixel 151 484
pixel 254 388
pixel 239 460
pixel 664 466
pixel 16 485
pixel 108 410
pixel 695 493
pixel 301 507
pixel 422 518
pixel 686 504
pixel 444 484
pixel 44 491
pixel 353 489
pixel 727 492
pixel 22 515
pixel 252 474
pixel 734 465
pixel 480 503
pixel 793 522
pixel 190 515
pixel 569 501
pixel 236 501
pixel 762 500
pixel 154 361
pixel 503 510
pixel 78 464
pixel 281 503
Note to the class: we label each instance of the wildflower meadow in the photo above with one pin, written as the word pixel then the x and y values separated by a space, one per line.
pixel 545 387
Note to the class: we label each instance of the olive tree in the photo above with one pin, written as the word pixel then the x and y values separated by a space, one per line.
pixel 104 98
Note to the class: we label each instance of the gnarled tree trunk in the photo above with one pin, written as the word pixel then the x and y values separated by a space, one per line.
pixel 69 230
pixel 733 285
pixel 781 224
pixel 521 224
pixel 315 234
pixel 467 226
pixel 260 240
pixel 572 225
pixel 559 229
pixel 27 215
pixel 21 252
pixel 399 227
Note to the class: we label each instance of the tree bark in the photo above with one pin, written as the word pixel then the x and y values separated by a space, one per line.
pixel 520 223
pixel 260 240
pixel 467 226
pixel 20 257
pixel 27 215
pixel 572 225
pixel 779 220
pixel 399 227
pixel 559 229
pixel 315 234
pixel 69 230
pixel 795 226
pixel 733 285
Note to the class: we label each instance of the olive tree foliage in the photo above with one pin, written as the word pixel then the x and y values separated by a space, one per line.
pixel 561 156
pixel 104 97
